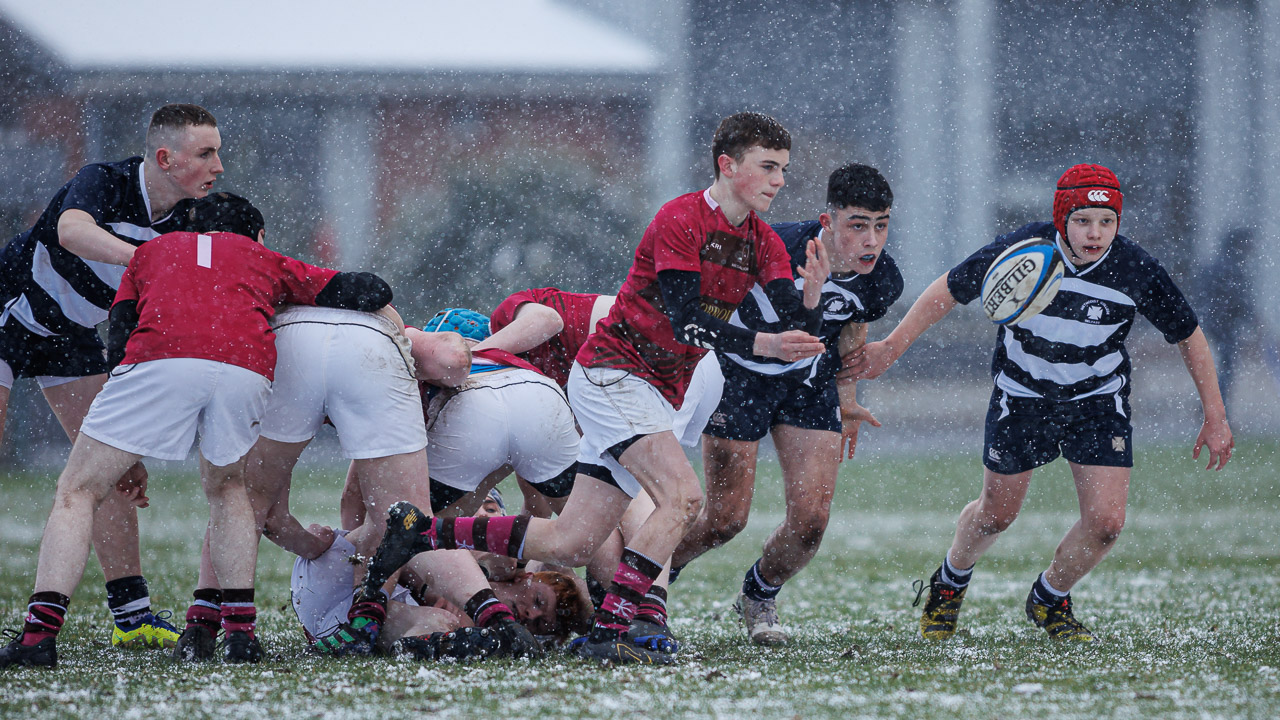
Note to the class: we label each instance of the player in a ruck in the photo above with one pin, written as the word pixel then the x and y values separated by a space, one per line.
pixel 190 327
pixel 1061 388
pixel 798 403
pixel 57 281
pixel 698 259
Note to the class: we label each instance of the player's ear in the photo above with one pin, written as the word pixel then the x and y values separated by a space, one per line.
pixel 726 164
pixel 262 234
pixel 825 221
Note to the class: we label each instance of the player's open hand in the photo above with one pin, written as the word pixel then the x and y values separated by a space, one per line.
pixel 133 485
pixel 1216 435
pixel 851 419
pixel 867 362
pixel 816 270
pixel 788 346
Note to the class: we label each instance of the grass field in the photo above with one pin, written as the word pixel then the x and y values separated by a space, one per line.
pixel 1187 604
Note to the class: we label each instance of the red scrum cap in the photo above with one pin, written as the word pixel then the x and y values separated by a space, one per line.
pixel 1085 186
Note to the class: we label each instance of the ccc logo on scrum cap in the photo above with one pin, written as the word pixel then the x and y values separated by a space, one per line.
pixel 1099 196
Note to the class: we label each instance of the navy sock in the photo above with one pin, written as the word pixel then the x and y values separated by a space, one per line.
pixel 755 587
pixel 954 576
pixel 1045 594
pixel 128 599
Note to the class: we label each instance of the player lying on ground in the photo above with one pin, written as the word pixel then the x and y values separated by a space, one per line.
pixel 1061 387
pixel 422 623
pixel 57 282
pixel 191 326
pixel 798 403
pixel 698 259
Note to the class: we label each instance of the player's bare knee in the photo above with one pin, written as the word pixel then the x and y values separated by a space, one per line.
pixel 723 529
pixel 995 523
pixel 1106 530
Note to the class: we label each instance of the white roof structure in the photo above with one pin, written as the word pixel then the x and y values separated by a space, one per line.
pixel 412 36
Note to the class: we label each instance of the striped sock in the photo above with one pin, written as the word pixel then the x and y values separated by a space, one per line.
pixel 631 582
pixel 46 611
pixel 485 609
pixel 129 599
pixel 238 611
pixel 207 609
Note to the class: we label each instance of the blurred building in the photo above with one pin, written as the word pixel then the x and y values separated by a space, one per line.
pixel 465 149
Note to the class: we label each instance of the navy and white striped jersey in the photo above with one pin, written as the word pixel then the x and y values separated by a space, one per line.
pixel 1075 348
pixel 52 291
pixel 857 298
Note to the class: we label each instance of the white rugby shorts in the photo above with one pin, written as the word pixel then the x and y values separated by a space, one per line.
pixel 345 365
pixel 496 418
pixel 700 400
pixel 154 408
pixel 321 590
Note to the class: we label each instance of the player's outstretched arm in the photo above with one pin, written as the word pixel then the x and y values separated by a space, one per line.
pixel 1215 433
pixel 873 359
pixel 79 233
pixel 532 325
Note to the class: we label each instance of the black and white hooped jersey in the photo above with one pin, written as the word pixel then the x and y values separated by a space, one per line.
pixel 1075 348
pixel 52 291
pixel 857 298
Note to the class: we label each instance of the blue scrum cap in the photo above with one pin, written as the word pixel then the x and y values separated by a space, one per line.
pixel 467 323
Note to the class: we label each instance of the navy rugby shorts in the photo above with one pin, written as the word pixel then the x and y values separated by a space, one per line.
pixel 77 354
pixel 1025 433
pixel 753 403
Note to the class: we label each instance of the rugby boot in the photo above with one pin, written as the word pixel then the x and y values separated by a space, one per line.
pixel 196 644
pixel 462 645
pixel 153 631
pixel 409 532
pixel 760 618
pixel 1058 620
pixel 652 635
pixel 42 654
pixel 241 647
pixel 619 650
pixel 941 610
pixel 359 635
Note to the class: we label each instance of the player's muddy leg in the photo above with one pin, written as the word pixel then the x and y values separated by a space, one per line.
pixel 982 520
pixel 90 475
pixel 810 462
pixel 233 534
pixel 383 482
pixel 590 516
pixel 115 538
pixel 730 469
pixel 1103 493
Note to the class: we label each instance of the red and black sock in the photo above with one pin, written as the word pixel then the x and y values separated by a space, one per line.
pixel 502 535
pixel 46 611
pixel 238 611
pixel 485 609
pixel 206 611
pixel 654 606
pixel 631 582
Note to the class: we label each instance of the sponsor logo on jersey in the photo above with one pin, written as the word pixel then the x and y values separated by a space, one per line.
pixel 1099 196
pixel 1095 311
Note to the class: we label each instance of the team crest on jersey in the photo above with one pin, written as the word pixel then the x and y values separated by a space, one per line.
pixel 1117 444
pixel 1095 311
pixel 836 306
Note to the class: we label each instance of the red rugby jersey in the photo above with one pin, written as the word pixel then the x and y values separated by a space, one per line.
pixel 688 233
pixel 212 297
pixel 555 356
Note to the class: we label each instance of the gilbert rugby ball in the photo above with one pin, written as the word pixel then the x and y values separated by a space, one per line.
pixel 1022 281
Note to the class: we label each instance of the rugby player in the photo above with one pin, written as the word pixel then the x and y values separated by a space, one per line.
pixel 698 259
pixel 799 403
pixel 1061 388
pixel 57 282
pixel 190 327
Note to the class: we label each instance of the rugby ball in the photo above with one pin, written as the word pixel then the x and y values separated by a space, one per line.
pixel 1022 281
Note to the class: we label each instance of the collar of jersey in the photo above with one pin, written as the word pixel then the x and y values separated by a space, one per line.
pixel 1066 261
